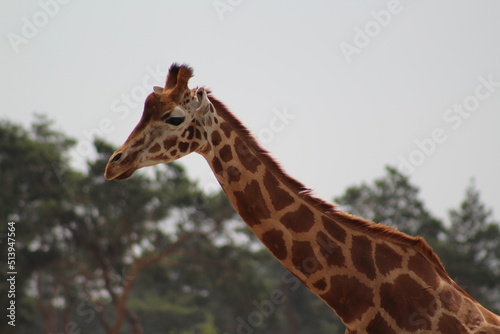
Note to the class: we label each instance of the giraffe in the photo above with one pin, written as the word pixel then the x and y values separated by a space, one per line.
pixel 376 279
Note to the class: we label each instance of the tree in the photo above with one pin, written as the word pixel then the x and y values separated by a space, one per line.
pixel 474 241
pixel 32 196
pixel 394 201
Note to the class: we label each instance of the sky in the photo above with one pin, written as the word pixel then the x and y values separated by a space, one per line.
pixel 335 90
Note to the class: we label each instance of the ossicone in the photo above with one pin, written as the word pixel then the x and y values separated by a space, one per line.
pixel 178 76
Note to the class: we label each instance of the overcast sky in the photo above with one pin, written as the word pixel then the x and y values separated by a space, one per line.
pixel 336 90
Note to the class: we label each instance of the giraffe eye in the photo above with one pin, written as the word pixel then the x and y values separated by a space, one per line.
pixel 175 120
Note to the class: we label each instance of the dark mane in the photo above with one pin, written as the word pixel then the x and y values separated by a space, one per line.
pixel 330 210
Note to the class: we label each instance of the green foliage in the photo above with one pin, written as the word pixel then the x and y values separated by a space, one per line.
pixel 392 200
pixel 33 196
pixel 474 241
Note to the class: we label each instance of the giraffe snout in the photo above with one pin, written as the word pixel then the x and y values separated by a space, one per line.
pixel 117 169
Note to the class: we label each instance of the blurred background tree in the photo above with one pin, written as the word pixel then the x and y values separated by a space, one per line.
pixel 33 196
pixel 392 200
pixel 154 254
pixel 473 252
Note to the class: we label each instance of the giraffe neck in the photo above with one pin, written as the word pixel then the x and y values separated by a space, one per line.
pixel 365 272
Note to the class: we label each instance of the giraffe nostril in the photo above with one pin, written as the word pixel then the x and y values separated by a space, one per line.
pixel 116 157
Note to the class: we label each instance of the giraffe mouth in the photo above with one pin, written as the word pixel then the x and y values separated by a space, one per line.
pixel 109 175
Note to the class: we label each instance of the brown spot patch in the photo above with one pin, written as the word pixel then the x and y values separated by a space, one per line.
pixel 378 326
pixel 406 308
pixel 174 152
pixel 160 157
pixel 169 142
pixel 183 146
pixel 217 166
pixel 450 299
pixel 155 148
pixel 233 174
pixel 188 133
pixel 304 259
pixel 424 269
pixel 198 134
pixel 216 138
pixel 250 204
pixel 226 153
pixel 362 257
pixel 280 198
pixel 299 221
pixel 194 146
pixel 348 297
pixel 449 324
pixel 330 250
pixel 334 229
pixel 273 240
pixel 247 159
pixel 139 142
pixel 320 284
pixel 226 129
pixel 387 259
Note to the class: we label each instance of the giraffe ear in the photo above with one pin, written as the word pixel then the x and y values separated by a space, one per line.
pixel 205 103
pixel 158 89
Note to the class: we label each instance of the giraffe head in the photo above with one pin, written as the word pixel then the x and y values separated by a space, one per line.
pixel 170 127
